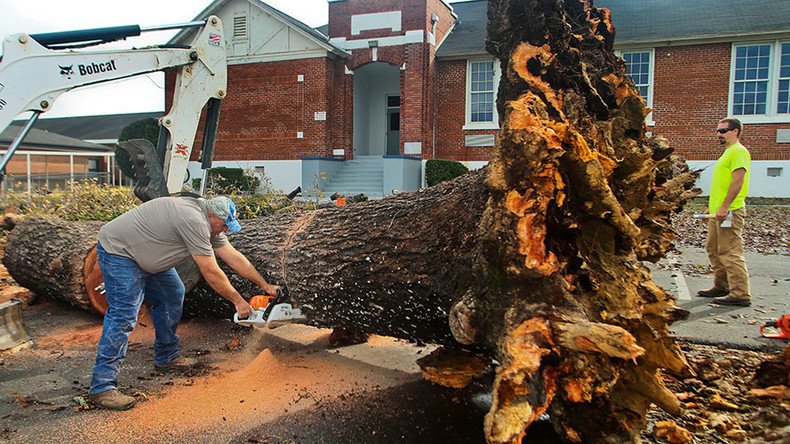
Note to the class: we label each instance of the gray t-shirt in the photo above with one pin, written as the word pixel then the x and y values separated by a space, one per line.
pixel 162 233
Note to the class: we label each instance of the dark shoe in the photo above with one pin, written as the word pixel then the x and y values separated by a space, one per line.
pixel 713 293
pixel 730 300
pixel 112 400
pixel 177 365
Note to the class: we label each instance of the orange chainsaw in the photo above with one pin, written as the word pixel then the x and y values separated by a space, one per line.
pixel 778 329
pixel 271 311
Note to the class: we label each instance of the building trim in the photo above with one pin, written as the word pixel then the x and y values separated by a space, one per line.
pixel 392 20
pixel 295 55
pixel 409 38
pixel 626 45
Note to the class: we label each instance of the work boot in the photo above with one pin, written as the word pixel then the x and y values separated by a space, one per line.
pixel 713 292
pixel 112 400
pixel 731 300
pixel 179 364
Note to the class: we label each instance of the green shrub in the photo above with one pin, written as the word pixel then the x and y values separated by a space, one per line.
pixel 147 129
pixel 222 180
pixel 437 170
pixel 83 201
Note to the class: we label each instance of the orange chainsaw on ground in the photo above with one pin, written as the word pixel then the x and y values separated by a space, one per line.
pixel 271 311
pixel 778 329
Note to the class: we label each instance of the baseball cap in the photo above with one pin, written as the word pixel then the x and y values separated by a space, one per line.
pixel 224 208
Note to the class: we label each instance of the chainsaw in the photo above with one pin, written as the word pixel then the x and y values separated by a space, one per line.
pixel 270 312
pixel 778 329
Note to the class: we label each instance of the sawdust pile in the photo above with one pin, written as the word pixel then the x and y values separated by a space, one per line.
pixel 254 393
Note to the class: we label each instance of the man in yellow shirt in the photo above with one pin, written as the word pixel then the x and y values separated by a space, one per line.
pixel 728 190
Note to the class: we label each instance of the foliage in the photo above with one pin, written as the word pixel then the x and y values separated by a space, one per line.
pixel 82 200
pixel 88 200
pixel 438 170
pixel 264 201
pixel 147 129
pixel 317 192
pixel 222 180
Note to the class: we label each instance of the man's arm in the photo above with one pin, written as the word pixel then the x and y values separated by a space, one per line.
pixel 241 265
pixel 217 279
pixel 732 192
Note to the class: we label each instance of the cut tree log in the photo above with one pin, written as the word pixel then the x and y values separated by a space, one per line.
pixel 535 262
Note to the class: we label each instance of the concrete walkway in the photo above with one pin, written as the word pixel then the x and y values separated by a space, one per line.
pixel 688 271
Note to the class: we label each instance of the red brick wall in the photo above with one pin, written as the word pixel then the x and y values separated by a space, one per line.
pixel 690 95
pixel 48 164
pixel 446 19
pixel 341 94
pixel 450 106
pixel 412 16
pixel 414 105
pixel 394 55
pixel 266 106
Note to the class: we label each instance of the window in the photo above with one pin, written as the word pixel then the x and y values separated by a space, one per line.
pixel 639 67
pixel 783 105
pixel 482 77
pixel 760 82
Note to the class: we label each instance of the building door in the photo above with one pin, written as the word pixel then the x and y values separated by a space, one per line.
pixel 393 125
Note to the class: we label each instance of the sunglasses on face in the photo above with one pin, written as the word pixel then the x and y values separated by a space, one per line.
pixel 723 130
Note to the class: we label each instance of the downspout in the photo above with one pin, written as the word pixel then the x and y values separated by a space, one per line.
pixel 435 24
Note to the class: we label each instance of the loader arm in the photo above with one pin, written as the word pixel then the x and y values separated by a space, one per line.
pixel 35 70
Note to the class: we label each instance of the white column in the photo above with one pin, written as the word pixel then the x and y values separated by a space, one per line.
pixel 29 182
pixel 109 175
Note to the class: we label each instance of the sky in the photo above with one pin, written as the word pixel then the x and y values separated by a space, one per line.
pixel 140 93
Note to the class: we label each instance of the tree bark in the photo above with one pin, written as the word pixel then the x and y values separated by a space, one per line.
pixel 535 262
pixel 51 257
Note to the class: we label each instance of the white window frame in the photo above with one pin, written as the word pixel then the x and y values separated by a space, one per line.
pixel 651 69
pixel 771 116
pixel 469 125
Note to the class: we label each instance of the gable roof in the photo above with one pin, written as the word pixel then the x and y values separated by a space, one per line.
pixel 468 36
pixel 640 21
pixel 216 5
pixel 643 21
pixel 41 140
pixel 94 128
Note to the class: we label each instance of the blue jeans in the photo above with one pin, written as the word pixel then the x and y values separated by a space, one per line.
pixel 127 286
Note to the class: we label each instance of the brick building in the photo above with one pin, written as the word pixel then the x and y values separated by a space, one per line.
pixel 388 84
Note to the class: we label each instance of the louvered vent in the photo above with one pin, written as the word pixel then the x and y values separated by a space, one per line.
pixel 240 27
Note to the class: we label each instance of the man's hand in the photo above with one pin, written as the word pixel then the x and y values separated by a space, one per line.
pixel 243 309
pixel 721 214
pixel 271 289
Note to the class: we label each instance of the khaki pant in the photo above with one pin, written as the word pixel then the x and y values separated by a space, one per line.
pixel 725 251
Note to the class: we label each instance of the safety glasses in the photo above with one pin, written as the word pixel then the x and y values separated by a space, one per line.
pixel 723 130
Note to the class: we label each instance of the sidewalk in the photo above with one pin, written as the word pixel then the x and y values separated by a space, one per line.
pixel 686 273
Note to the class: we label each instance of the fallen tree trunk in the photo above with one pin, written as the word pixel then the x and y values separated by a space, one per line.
pixel 409 255
pixel 535 262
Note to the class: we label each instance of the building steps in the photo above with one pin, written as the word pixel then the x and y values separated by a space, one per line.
pixel 361 175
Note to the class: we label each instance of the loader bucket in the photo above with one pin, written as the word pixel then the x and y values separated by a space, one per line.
pixel 12 330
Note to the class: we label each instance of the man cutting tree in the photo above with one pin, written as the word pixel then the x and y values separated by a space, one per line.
pixel 138 252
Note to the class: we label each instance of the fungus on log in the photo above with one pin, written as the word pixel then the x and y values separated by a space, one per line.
pixel 535 261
